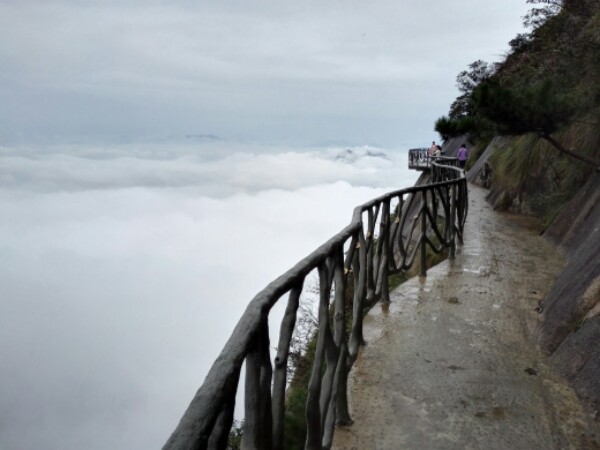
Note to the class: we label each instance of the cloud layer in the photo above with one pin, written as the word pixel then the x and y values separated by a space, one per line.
pixel 122 276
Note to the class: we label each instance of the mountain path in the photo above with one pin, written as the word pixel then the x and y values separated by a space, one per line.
pixel 450 362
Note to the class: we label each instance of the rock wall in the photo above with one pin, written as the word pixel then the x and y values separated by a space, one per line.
pixel 452 145
pixel 570 330
pixel 476 172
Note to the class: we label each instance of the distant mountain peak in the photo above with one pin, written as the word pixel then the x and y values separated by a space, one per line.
pixel 351 155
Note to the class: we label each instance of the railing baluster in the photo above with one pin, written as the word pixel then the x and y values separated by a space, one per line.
pixel 408 233
pixel 220 433
pixel 371 254
pixel 381 290
pixel 360 285
pixel 258 422
pixel 350 254
pixel 331 357
pixel 313 408
pixel 331 377
pixel 281 366
pixel 342 413
pixel 464 207
pixel 395 232
pixel 423 237
pixel 452 238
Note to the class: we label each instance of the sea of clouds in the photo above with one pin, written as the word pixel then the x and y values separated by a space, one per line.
pixel 124 269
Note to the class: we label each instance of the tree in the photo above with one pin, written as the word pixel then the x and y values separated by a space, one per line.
pixel 520 42
pixel 461 119
pixel 538 108
pixel 448 128
pixel 545 83
pixel 466 82
pixel 536 17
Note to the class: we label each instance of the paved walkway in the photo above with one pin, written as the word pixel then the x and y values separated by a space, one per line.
pixel 450 362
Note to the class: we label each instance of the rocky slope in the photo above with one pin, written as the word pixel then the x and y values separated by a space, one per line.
pixel 570 330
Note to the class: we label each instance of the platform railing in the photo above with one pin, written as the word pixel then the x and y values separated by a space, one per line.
pixel 421 159
pixel 386 236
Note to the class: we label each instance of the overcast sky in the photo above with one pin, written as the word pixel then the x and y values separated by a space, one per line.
pixel 287 71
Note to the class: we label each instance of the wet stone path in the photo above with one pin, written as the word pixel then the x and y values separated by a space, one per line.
pixel 450 362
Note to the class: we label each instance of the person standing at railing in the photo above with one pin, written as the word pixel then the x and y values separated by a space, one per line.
pixel 437 152
pixel 432 149
pixel 462 156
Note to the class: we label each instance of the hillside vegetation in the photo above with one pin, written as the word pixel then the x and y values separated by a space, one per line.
pixel 545 93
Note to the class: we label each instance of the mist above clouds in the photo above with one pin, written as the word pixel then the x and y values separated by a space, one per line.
pixel 212 169
pixel 122 276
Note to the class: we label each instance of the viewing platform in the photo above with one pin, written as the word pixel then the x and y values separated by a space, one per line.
pixel 419 159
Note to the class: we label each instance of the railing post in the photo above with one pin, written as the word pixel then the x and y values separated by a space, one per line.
pixel 220 432
pixel 342 414
pixel 452 220
pixel 384 261
pixel 281 361
pixel 360 295
pixel 423 238
pixel 370 267
pixel 313 408
pixel 258 416
pixel 335 355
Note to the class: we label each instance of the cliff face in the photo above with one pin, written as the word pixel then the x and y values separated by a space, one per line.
pixel 451 146
pixel 571 327
pixel 570 330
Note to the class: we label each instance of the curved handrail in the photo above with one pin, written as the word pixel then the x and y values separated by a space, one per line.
pixel 385 236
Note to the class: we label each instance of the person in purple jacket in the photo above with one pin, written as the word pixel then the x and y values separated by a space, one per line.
pixel 462 155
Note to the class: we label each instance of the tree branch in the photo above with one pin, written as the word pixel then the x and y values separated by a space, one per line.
pixel 570 153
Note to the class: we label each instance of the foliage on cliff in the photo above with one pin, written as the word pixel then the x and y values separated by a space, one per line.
pixel 547 81
pixel 545 93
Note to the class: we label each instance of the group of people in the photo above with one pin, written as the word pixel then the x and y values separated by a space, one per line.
pixel 435 151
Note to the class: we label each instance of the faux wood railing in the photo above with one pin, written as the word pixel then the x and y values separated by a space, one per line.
pixel 420 159
pixel 386 236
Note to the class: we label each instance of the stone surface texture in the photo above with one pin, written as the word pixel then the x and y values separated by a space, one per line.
pixel 571 330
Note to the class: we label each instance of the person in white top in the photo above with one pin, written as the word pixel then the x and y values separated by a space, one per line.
pixel 432 149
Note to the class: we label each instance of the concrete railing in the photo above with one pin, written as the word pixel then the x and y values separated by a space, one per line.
pixel 385 236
